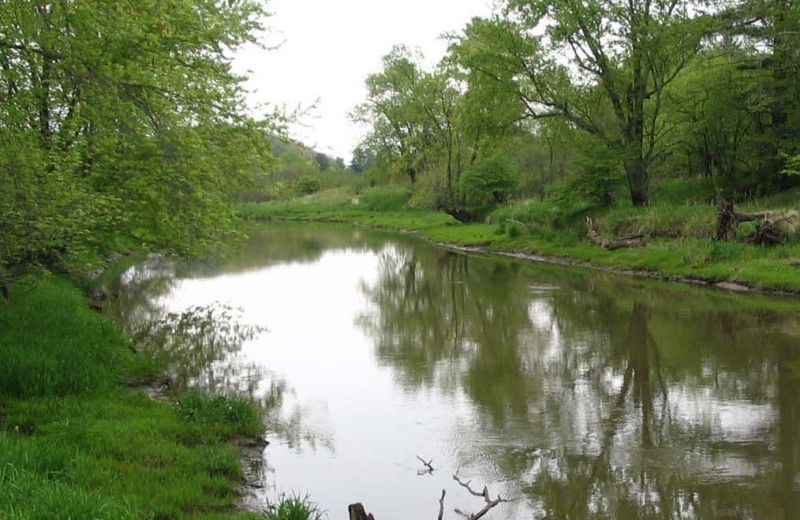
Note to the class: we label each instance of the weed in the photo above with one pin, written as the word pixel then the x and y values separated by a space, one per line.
pixel 294 508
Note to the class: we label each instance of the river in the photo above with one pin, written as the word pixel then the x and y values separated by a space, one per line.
pixel 572 393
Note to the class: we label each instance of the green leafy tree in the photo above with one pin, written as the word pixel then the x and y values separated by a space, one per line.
pixel 492 181
pixel 393 113
pixel 308 184
pixel 766 32
pixel 119 119
pixel 622 56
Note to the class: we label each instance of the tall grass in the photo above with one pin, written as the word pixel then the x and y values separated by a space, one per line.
pixel 75 443
pixel 294 508
pixel 53 344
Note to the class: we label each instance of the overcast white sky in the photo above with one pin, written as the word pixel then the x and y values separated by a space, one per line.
pixel 330 48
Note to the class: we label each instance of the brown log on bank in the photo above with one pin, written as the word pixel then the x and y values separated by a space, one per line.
pixel 728 219
pixel 622 243
pixel 773 227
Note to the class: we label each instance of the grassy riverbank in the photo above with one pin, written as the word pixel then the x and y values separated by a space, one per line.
pixel 679 237
pixel 77 440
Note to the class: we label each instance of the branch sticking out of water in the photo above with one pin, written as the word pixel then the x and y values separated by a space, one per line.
pixel 490 503
pixel 428 464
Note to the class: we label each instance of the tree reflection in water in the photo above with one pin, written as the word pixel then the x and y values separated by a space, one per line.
pixel 201 347
pixel 613 399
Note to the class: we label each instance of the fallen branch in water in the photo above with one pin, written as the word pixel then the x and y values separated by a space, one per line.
pixel 427 464
pixel 483 494
pixel 357 511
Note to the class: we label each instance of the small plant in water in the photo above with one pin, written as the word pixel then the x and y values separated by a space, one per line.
pixel 294 508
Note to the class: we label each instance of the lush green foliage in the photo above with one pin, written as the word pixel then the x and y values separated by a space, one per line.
pixel 120 119
pixel 492 180
pixel 294 508
pixel 597 101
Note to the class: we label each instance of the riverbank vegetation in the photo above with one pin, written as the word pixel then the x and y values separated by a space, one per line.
pixel 78 441
pixel 680 241
pixel 664 131
pixel 122 128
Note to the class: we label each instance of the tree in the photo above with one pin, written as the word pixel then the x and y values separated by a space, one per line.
pixel 119 119
pixel 492 180
pixel 393 113
pixel 767 32
pixel 622 56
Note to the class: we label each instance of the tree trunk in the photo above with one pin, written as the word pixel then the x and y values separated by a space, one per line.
pixel 637 181
pixel 726 220
pixel 357 512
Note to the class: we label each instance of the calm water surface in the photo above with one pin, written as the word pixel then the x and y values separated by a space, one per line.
pixel 578 394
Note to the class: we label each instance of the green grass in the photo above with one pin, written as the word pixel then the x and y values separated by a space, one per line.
pixel 294 508
pixel 52 344
pixel 679 237
pixel 77 441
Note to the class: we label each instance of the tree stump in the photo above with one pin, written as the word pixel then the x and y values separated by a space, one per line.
pixel 357 512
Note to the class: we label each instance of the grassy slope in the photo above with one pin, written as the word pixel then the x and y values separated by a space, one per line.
pixel 77 442
pixel 679 243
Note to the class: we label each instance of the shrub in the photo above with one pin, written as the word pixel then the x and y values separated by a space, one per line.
pixel 492 181
pixel 308 184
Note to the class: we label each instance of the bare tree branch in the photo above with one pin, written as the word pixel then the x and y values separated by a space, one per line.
pixel 428 464
pixel 490 503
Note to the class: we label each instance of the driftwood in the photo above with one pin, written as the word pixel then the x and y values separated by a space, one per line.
pixel 464 215
pixel 357 511
pixel 490 503
pixel 612 245
pixel 773 227
pixel 518 223
pixel 428 465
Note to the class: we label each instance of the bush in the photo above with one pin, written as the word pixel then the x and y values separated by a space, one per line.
pixel 308 184
pixel 491 181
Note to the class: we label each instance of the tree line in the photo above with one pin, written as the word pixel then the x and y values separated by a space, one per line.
pixel 594 99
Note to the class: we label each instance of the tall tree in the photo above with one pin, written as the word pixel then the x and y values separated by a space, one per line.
pixel 622 54
pixel 767 30
pixel 394 114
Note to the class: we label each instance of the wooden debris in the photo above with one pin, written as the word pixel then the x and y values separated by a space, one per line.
pixel 622 243
pixel 773 227
pixel 428 464
pixel 357 512
pixel 490 503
